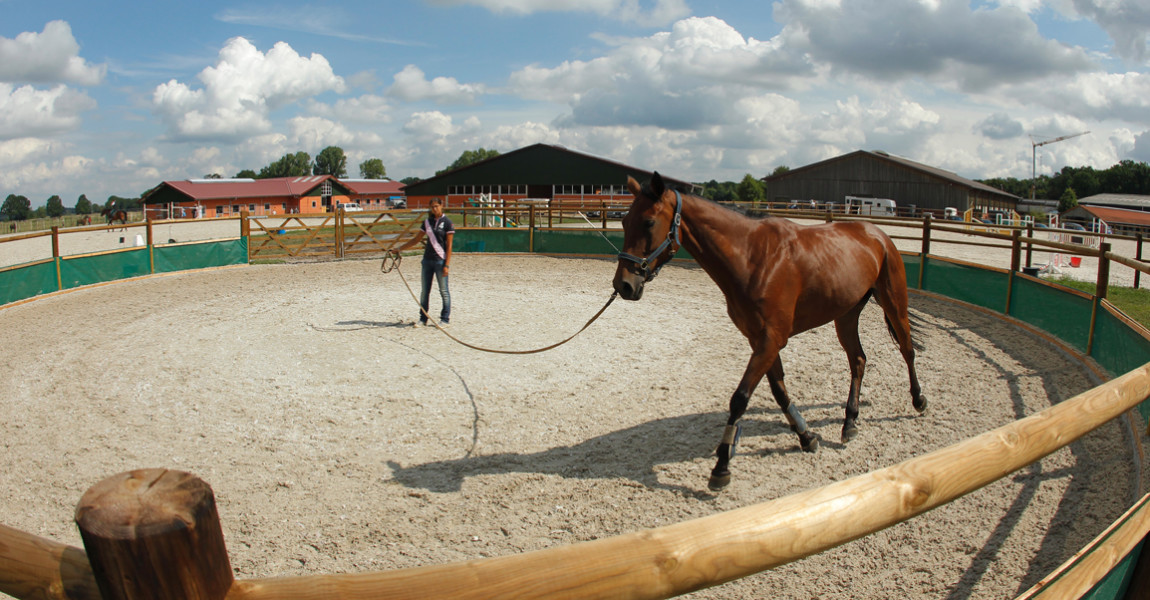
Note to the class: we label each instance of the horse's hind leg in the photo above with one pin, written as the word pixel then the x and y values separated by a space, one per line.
pixel 808 440
pixel 893 300
pixel 847 328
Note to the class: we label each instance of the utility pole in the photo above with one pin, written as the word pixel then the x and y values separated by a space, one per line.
pixel 1034 156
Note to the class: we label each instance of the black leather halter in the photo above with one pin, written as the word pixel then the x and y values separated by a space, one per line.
pixel 673 235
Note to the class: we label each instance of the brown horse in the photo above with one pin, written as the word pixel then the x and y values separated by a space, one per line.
pixel 115 214
pixel 780 279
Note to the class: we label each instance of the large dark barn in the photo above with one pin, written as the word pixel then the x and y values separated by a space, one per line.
pixel 537 172
pixel 881 175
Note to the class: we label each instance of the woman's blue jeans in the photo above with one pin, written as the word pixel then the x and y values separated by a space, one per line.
pixel 434 268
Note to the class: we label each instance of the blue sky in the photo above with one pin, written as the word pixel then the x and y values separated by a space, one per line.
pixel 103 98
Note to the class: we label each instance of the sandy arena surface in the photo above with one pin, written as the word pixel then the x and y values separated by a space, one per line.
pixel 338 438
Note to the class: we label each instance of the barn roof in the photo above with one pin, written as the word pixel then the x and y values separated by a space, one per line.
pixel 1116 215
pixel 216 189
pixel 934 172
pixel 1134 201
pixel 537 164
pixel 380 187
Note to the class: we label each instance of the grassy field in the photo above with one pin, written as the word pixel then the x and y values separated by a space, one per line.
pixel 1133 302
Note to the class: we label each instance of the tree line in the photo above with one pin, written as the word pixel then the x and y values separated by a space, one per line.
pixel 1126 177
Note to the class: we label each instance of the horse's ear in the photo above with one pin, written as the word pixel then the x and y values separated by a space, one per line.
pixel 634 186
pixel 657 185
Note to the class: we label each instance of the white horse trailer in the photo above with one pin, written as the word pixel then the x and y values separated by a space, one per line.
pixel 878 207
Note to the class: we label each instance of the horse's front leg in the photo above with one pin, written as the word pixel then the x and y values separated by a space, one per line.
pixel 760 364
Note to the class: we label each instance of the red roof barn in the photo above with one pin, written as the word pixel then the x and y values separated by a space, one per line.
pixel 192 198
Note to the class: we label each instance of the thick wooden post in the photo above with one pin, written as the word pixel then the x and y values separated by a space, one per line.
pixel 1015 264
pixel 531 227
pixel 154 533
pixel 151 245
pixel 56 257
pixel 1100 290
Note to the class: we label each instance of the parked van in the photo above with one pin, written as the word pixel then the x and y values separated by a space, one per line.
pixel 350 207
pixel 878 207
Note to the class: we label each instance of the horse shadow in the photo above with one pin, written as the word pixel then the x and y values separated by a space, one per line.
pixel 632 453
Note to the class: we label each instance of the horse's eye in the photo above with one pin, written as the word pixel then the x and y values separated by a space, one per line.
pixel 649 223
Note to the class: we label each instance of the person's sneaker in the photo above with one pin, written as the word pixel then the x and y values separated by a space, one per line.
pixel 444 324
pixel 419 324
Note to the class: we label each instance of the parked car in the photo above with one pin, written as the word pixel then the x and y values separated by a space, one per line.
pixel 350 207
pixel 396 202
pixel 1074 226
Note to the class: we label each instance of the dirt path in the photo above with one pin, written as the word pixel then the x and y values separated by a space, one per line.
pixel 340 439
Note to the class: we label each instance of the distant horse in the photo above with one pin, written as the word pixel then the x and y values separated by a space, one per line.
pixel 85 220
pixel 780 279
pixel 115 214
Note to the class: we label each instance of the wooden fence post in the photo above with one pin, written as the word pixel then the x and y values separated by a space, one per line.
pixel 1015 264
pixel 1029 245
pixel 1100 290
pixel 151 245
pixel 56 256
pixel 1103 270
pixel 925 248
pixel 531 227
pixel 1137 256
pixel 154 533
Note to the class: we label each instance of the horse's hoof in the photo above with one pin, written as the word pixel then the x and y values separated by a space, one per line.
pixel 850 430
pixel 718 482
pixel 809 443
pixel 920 404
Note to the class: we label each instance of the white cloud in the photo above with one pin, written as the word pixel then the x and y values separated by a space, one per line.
pixel 1102 96
pixel 35 163
pixel 948 43
pixel 48 57
pixel 429 125
pixel 412 85
pixel 368 108
pixel 240 91
pixel 686 78
pixel 1127 22
pixel 26 111
pixel 315 134
pixel 21 150
pixel 663 11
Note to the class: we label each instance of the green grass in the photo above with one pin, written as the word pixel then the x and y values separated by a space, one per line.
pixel 1133 302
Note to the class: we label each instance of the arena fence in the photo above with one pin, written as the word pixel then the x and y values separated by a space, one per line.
pixel 142 256
pixel 180 553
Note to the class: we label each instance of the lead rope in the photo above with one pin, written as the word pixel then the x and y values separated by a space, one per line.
pixel 391 262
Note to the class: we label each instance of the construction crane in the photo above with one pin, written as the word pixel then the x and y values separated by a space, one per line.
pixel 1034 156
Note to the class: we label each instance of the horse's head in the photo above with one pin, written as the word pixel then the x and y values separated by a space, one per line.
pixel 650 235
